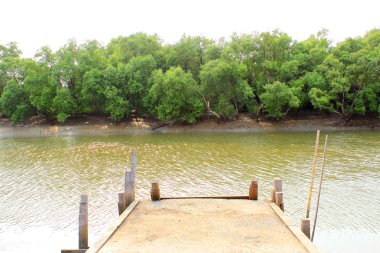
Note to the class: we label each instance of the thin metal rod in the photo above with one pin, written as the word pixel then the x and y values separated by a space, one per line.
pixel 320 186
pixel 312 174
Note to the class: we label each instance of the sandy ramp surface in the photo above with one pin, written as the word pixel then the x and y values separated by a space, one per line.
pixel 203 225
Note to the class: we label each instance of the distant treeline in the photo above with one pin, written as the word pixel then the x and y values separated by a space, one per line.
pixel 264 74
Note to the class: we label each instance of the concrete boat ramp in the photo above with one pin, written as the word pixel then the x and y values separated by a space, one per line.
pixel 197 224
pixel 203 225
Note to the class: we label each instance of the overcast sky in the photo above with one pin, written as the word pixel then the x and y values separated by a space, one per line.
pixel 35 23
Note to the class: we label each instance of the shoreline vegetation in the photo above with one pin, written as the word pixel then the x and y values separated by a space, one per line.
pixel 97 125
pixel 267 76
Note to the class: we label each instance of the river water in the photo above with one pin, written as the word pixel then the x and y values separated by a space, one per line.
pixel 41 179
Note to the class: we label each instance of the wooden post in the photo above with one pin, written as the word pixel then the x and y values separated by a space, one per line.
pixel 155 191
pixel 253 189
pixel 129 185
pixel 280 200
pixel 320 187
pixel 129 190
pixel 121 204
pixel 305 227
pixel 277 187
pixel 83 222
pixel 312 175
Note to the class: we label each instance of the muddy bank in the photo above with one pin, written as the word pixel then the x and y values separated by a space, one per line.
pixel 244 123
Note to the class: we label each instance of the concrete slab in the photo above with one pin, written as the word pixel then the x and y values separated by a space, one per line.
pixel 203 225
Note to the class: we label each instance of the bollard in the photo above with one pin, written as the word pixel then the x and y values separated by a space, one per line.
pixel 83 222
pixel 305 227
pixel 129 185
pixel 253 189
pixel 155 191
pixel 121 204
pixel 280 200
pixel 277 187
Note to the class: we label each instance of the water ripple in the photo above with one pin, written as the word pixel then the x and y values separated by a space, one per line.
pixel 42 178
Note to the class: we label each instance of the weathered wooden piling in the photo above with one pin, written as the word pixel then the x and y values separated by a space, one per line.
pixel 312 174
pixel 83 222
pixel 129 190
pixel 280 200
pixel 121 204
pixel 277 187
pixel 319 188
pixel 253 189
pixel 130 178
pixel 305 227
pixel 155 191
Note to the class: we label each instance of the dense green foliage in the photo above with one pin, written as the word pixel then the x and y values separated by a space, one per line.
pixel 267 73
pixel 174 96
pixel 278 99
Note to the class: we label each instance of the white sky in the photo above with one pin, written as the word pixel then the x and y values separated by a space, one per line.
pixel 35 23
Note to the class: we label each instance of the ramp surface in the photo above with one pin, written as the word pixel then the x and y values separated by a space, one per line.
pixel 204 225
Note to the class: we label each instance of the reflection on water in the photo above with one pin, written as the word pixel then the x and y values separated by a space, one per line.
pixel 41 180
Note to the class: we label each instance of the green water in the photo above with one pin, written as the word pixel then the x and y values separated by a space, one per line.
pixel 41 179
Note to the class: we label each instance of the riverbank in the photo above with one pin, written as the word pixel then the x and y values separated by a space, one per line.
pixel 91 125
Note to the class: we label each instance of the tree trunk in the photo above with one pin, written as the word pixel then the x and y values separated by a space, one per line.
pixel 207 104
pixel 258 112
pixel 236 107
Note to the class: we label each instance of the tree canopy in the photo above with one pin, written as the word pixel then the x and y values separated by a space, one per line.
pixel 268 73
